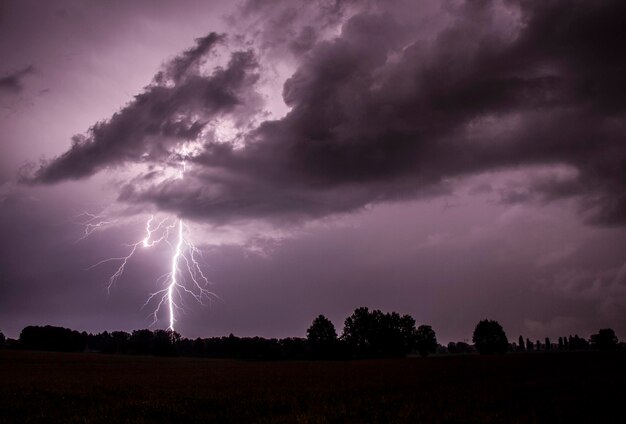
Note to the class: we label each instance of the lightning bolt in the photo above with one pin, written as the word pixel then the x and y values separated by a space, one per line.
pixel 188 279
pixel 185 276
pixel 92 223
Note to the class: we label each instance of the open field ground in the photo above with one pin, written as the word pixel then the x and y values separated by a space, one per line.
pixel 515 388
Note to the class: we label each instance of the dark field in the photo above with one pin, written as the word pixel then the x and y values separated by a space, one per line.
pixel 565 387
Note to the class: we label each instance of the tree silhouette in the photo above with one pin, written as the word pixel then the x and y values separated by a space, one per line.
pixel 520 343
pixel 164 343
pixel 578 343
pixel 141 342
pixel 459 347
pixel 322 338
pixel 489 337
pixel 2 339
pixel 376 334
pixel 425 340
pixel 321 330
pixel 548 343
pixel 52 338
pixel 605 339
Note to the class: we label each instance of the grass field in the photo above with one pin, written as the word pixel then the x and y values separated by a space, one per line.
pixel 41 387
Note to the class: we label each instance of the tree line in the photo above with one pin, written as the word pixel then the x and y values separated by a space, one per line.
pixel 366 334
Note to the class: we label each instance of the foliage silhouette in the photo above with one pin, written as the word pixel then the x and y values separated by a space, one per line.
pixel 52 338
pixel 367 334
pixel 164 343
pixel 489 337
pixel 605 339
pixel 425 340
pixel 322 338
pixel 460 348
pixel 376 334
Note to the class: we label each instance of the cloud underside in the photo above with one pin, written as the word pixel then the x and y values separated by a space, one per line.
pixel 386 110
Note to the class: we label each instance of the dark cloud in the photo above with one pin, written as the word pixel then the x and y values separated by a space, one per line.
pixel 13 82
pixel 190 60
pixel 173 109
pixel 386 111
pixel 285 26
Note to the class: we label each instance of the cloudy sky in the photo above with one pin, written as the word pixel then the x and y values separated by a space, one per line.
pixel 453 160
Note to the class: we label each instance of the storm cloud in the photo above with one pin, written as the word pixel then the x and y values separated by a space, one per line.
pixel 383 109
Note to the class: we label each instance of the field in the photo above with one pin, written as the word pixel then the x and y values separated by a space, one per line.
pixel 516 388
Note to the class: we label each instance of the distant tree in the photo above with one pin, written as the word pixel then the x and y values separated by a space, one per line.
pixel 538 345
pixel 2 339
pixel 52 338
pixel 578 343
pixel 459 347
pixel 425 340
pixel 561 346
pixel 164 343
pixel 184 347
pixel 119 342
pixel 321 330
pixel 376 334
pixel 548 344
pixel 357 331
pixel 605 339
pixel 529 345
pixel 295 348
pixel 520 343
pixel 489 337
pixel 199 347
pixel 322 338
pixel 141 342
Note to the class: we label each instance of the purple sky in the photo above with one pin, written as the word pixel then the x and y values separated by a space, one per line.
pixel 453 160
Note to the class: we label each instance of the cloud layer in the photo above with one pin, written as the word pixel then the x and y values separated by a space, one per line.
pixel 383 106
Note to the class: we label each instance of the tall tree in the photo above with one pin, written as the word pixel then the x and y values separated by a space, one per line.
pixel 322 337
pixel 489 337
pixel 425 340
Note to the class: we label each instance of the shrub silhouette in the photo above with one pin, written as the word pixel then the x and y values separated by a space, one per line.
pixel 489 337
